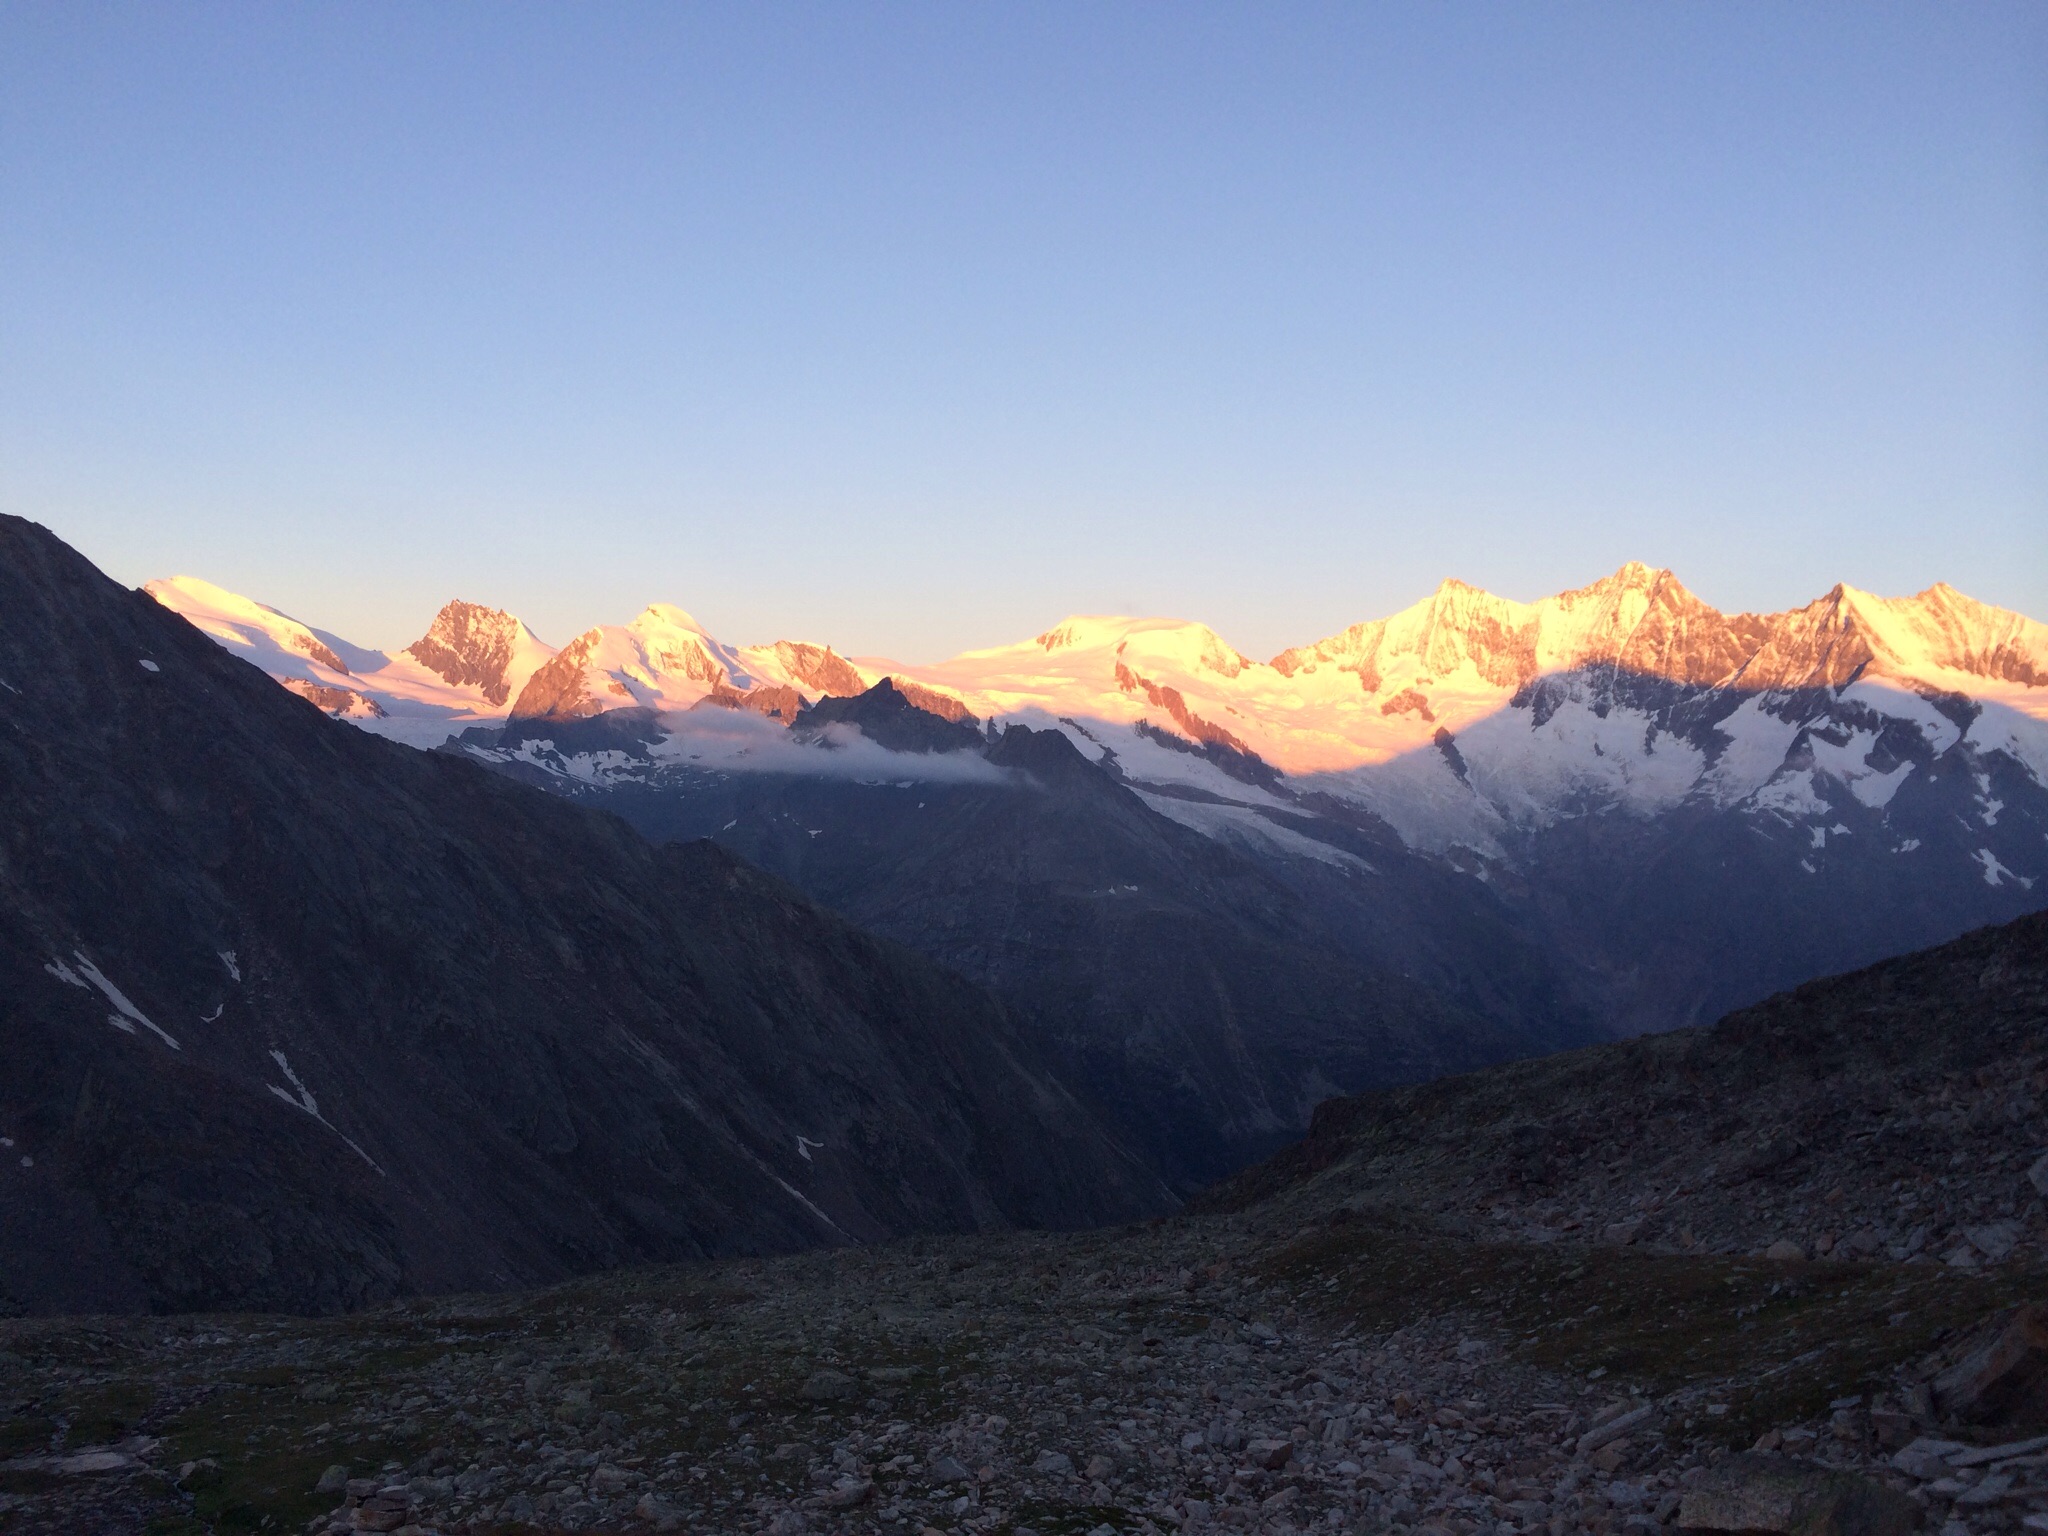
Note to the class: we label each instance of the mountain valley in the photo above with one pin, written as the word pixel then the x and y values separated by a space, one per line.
pixel 1218 891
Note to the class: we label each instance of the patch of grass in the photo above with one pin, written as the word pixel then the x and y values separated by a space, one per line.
pixel 1777 1339
pixel 26 1434
pixel 102 1415
pixel 271 1479
pixel 27 1480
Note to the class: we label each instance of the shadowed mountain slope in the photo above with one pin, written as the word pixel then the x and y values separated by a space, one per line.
pixel 1896 1111
pixel 1203 1000
pixel 292 1017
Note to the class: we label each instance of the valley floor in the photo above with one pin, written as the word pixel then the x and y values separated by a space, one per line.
pixel 1373 1370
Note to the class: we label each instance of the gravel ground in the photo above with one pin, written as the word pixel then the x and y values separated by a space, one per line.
pixel 1359 1375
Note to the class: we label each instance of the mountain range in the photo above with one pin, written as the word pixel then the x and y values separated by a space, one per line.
pixel 1467 722
pixel 1218 890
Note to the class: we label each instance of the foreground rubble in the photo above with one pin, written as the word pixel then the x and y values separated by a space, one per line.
pixel 1362 1375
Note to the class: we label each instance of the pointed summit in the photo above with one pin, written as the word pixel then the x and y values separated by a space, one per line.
pixel 1633 573
pixel 471 646
pixel 663 660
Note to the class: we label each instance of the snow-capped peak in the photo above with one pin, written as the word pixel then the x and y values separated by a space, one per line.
pixel 663 659
pixel 456 675
pixel 275 641
pixel 1460 715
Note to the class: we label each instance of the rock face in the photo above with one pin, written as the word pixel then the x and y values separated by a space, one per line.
pixel 471 646
pixel 2005 1380
pixel 894 720
pixel 295 1018
pixel 816 667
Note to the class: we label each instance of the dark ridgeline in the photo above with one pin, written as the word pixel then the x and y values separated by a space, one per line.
pixel 433 1030
pixel 1896 1110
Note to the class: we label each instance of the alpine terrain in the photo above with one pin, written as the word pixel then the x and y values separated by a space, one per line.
pixel 1221 890
pixel 1781 1275
pixel 292 1017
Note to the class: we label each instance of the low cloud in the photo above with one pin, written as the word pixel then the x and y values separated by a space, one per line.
pixel 739 741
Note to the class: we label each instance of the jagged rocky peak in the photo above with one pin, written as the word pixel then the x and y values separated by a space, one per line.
pixel 932 700
pixel 1826 644
pixel 900 716
pixel 561 690
pixel 1978 638
pixel 1641 617
pixel 817 668
pixel 469 645
pixel 1848 633
pixel 1454 625
pixel 1645 620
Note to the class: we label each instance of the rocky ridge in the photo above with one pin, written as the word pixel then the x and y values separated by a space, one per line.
pixel 470 646
pixel 1896 1113
pixel 1202 1000
pixel 1681 810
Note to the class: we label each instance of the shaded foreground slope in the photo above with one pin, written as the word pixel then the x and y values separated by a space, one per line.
pixel 1893 1112
pixel 291 1017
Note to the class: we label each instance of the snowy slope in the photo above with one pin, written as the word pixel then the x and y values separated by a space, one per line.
pixel 459 674
pixel 667 662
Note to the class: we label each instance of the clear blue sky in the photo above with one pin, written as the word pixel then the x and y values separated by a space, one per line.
pixel 912 327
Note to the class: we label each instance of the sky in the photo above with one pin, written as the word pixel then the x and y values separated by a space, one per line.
pixel 916 327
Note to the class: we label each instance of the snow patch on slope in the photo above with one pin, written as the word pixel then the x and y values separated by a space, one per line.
pixel 1245 827
pixel 301 1098
pixel 125 1015
pixel 1996 873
